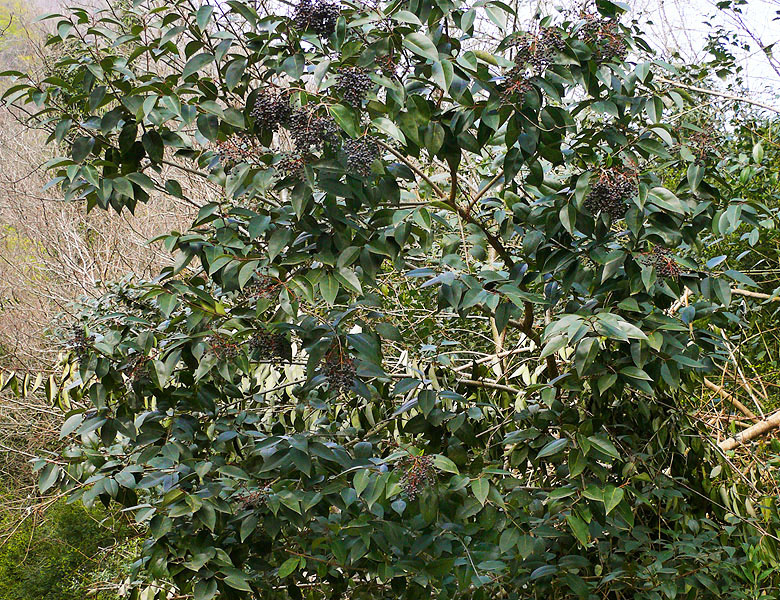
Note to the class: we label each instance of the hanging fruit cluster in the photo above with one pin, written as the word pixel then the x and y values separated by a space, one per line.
pixel 271 109
pixel 311 131
pixel 291 165
pixel 538 50
pixel 222 346
pixel 78 341
pixel 662 260
pixel 238 149
pixel 604 37
pixel 254 498
pixel 270 346
pixel 702 144
pixel 361 153
pixel 317 16
pixel 339 369
pixel 353 83
pixel 611 192
pixel 136 369
pixel 262 286
pixel 418 474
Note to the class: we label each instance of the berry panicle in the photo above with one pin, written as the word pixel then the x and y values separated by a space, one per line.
pixel 418 473
pixel 611 192
pixel 353 83
pixel 361 154
pixel 311 131
pixel 604 37
pixel 238 149
pixel 662 261
pixel 318 16
pixel 271 109
pixel 270 346
pixel 339 369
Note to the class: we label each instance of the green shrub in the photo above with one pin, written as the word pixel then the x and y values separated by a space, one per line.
pixel 54 556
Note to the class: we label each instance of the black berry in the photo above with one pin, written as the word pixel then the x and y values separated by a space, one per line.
pixel 271 109
pixel 310 131
pixel 418 473
pixel 238 149
pixel 662 260
pixel 361 153
pixel 610 193
pixel 316 15
pixel 353 83
pixel 604 38
pixel 339 370
pixel 290 165
pixel 270 346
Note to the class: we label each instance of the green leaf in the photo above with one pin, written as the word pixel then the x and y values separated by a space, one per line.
pixel 605 446
pixel 196 63
pixel 553 447
pixel 663 198
pixel 579 528
pixel 48 477
pixel 204 589
pixel 445 464
pixel 288 567
pixel 329 287
pixel 421 45
pixel 481 488
pixel 612 497
pixel 347 119
pixel 361 480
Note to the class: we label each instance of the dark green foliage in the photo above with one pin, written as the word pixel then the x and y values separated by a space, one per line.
pixel 576 473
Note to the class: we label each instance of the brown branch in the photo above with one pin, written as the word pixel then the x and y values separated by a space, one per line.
pixel 730 398
pixel 760 428
pixel 485 189
pixel 759 295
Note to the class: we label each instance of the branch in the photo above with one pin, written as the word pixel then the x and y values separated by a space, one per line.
pixel 693 88
pixel 436 189
pixel 730 398
pixel 759 295
pixel 760 428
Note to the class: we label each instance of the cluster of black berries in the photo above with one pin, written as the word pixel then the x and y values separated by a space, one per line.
pixel 662 260
pixel 353 83
pixel 311 131
pixel 237 149
pixel 418 473
pixel 78 341
pixel 702 144
pixel 538 50
pixel 262 286
pixel 222 346
pixel 386 64
pixel 339 370
pixel 290 165
pixel 316 15
pixel 255 498
pixel 136 369
pixel 270 346
pixel 271 109
pixel 610 192
pixel 361 153
pixel 604 37
pixel 516 82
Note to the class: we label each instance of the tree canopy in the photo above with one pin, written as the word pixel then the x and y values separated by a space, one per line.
pixel 430 335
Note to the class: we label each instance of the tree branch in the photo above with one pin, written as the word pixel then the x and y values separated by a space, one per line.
pixel 707 92
pixel 760 428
